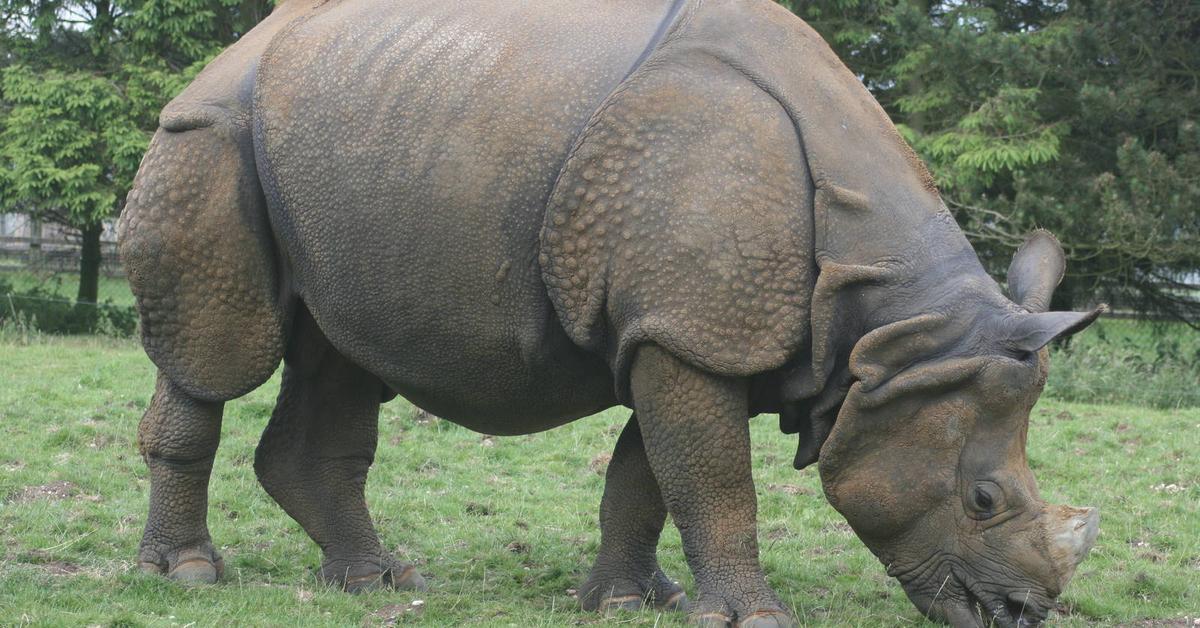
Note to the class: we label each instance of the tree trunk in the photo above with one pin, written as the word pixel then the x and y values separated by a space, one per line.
pixel 89 264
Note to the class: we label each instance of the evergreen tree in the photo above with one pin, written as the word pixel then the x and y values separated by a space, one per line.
pixel 81 85
pixel 1080 117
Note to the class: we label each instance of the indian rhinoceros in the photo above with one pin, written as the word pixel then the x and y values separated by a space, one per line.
pixel 519 213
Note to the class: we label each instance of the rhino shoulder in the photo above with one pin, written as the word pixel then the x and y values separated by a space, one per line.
pixel 683 218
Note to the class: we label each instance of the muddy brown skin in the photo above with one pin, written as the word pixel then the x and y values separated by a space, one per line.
pixel 519 214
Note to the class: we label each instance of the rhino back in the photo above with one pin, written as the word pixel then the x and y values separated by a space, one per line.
pixel 407 150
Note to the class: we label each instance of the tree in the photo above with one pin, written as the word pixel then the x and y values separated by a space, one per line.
pixel 1080 117
pixel 80 91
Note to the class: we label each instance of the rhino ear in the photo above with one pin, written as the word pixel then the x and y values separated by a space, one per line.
pixel 1036 271
pixel 1030 332
pixel 883 353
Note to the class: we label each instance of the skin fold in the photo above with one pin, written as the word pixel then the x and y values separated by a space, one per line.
pixel 519 214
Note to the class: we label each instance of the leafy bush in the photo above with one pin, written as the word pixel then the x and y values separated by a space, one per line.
pixel 1137 363
pixel 45 309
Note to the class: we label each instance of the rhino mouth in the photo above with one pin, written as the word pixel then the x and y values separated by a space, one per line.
pixel 1015 610
pixel 964 602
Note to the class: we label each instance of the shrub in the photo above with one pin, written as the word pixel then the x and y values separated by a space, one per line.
pixel 1137 363
pixel 45 309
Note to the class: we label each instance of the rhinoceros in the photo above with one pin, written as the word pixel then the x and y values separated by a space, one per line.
pixel 515 214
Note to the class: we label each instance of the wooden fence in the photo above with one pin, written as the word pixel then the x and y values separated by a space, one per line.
pixel 54 255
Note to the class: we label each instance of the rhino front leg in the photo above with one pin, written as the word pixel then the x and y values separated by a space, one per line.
pixel 178 439
pixel 632 513
pixel 314 456
pixel 697 439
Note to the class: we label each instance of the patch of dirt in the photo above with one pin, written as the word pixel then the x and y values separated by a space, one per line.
pixel 54 491
pixel 1161 623
pixel 842 528
pixel 60 568
pixel 422 417
pixel 393 614
pixel 478 510
pixel 778 534
pixel 599 464
pixel 789 489
pixel 44 560
pixel 102 441
pixel 15 465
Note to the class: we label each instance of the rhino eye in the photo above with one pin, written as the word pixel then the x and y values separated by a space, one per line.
pixel 983 500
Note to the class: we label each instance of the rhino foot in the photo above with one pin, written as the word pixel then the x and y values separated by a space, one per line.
pixel 705 616
pixel 613 594
pixel 200 564
pixel 362 576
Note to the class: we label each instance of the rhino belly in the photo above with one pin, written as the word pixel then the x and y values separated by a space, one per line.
pixel 408 150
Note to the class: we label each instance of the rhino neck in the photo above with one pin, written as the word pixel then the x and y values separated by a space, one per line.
pixel 869 278
pixel 885 245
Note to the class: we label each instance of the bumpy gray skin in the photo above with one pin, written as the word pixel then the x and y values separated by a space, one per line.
pixel 518 214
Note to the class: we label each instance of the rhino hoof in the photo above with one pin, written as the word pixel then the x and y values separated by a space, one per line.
pixel 613 605
pixel 409 580
pixel 769 619
pixel 677 601
pixel 194 567
pixel 712 620
pixel 401 577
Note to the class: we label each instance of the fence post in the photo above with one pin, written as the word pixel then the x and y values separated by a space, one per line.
pixel 35 242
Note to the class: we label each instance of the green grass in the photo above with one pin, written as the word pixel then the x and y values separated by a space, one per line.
pixel 504 527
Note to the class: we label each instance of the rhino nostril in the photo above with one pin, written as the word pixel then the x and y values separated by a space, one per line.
pixel 1022 610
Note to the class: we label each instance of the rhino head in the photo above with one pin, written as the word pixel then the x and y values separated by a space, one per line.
pixel 926 459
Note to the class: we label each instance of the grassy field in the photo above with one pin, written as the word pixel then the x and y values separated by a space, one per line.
pixel 504 528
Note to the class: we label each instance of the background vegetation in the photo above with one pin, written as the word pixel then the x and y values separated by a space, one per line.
pixel 1077 116
pixel 81 85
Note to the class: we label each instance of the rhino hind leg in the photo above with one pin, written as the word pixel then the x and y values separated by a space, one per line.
pixel 626 573
pixel 196 248
pixel 314 456
pixel 695 426
pixel 178 439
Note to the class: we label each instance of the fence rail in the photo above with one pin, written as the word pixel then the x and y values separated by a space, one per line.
pixel 55 255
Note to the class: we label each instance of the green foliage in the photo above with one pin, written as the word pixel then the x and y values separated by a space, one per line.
pixel 44 309
pixel 1077 117
pixel 1122 361
pixel 81 85
pixel 70 142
